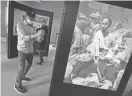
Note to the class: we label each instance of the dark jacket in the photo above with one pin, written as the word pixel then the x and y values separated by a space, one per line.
pixel 41 45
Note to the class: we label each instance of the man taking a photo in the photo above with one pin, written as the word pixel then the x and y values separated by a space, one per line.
pixel 26 35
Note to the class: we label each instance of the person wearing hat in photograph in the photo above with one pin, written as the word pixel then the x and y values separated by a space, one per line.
pixel 95 19
pixel 42 41
pixel 26 35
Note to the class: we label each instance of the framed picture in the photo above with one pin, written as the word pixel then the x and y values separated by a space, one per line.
pixel 94 50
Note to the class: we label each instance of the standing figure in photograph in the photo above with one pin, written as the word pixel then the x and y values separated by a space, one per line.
pixel 86 36
pixel 77 41
pixel 26 35
pixel 42 41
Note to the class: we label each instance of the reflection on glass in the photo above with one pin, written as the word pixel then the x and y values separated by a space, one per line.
pixel 39 19
pixel 101 46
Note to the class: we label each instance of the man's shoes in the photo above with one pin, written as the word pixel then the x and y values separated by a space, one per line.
pixel 20 89
pixel 40 63
pixel 26 79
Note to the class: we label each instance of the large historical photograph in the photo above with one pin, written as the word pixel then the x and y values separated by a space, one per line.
pixel 101 46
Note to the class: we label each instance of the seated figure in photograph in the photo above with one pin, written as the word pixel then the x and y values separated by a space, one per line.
pixel 26 35
pixel 42 41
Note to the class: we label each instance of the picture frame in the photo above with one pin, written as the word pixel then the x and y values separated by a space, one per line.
pixel 58 87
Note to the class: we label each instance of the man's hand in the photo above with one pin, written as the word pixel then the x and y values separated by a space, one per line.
pixel 39 39
pixel 40 33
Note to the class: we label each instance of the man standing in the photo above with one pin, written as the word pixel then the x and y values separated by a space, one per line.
pixel 26 35
pixel 77 41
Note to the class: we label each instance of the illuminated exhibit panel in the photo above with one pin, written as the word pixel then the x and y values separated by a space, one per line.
pixel 101 46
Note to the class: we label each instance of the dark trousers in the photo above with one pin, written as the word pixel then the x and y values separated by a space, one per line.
pixel 41 50
pixel 23 67
pixel 35 47
pixel 41 55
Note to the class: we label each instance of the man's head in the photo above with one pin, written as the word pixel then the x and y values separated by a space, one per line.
pixel 44 22
pixel 106 23
pixel 30 17
pixel 82 24
pixel 82 16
